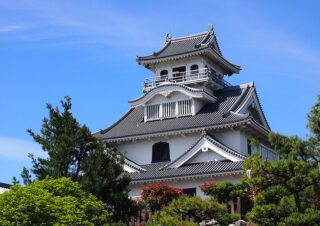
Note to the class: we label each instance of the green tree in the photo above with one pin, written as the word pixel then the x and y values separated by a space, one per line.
pixel 180 210
pixel 26 176
pixel 51 202
pixel 288 189
pixel 74 152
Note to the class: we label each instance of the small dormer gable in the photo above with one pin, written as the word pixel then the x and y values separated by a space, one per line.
pixel 204 150
pixel 172 101
pixel 251 105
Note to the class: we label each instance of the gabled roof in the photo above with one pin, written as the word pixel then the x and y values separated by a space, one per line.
pixel 208 142
pixel 133 165
pixel 202 43
pixel 250 96
pixel 204 169
pixel 212 116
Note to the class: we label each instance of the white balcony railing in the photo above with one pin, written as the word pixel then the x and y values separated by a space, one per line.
pixel 187 77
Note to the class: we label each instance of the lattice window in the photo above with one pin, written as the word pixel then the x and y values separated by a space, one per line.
pixel 184 107
pixel 153 112
pixel 169 110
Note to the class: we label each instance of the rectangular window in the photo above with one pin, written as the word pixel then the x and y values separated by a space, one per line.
pixel 190 191
pixel 184 107
pixel 169 110
pixel 153 112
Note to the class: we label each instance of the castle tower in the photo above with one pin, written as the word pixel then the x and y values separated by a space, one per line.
pixel 189 126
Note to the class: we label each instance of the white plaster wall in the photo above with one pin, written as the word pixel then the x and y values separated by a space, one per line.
pixel 186 183
pixel 198 104
pixel 187 62
pixel 141 151
pixel 3 190
pixel 174 96
pixel 231 139
pixel 206 157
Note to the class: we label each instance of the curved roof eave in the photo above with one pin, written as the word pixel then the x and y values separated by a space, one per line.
pixel 207 49
pixel 172 87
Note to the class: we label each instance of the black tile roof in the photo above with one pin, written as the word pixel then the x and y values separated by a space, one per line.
pixel 182 45
pixel 198 44
pixel 154 171
pixel 4 185
pixel 132 123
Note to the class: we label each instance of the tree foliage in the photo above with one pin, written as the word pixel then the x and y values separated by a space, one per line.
pixel 180 210
pixel 51 202
pixel 225 191
pixel 288 188
pixel 74 152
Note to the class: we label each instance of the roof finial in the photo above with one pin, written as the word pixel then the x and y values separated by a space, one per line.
pixel 168 38
pixel 211 27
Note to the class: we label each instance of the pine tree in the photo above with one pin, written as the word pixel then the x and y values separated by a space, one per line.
pixel 26 176
pixel 288 189
pixel 75 153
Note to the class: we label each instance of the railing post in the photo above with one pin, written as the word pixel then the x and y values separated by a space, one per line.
pixel 239 206
pixel 232 206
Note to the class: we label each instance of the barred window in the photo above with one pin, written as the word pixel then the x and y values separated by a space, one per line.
pixel 184 107
pixel 169 110
pixel 153 112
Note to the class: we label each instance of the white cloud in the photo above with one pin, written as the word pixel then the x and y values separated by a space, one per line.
pixel 10 28
pixel 82 22
pixel 19 149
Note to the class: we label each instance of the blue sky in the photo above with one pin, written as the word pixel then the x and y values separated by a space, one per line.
pixel 87 50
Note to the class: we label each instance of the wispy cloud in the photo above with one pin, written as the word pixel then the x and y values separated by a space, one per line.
pixel 61 22
pixel 10 28
pixel 19 149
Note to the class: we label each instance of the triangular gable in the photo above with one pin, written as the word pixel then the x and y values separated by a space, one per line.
pixel 250 104
pixel 206 143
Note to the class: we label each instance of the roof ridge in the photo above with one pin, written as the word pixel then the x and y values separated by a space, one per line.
pixel 239 100
pixel 134 164
pixel 265 118
pixel 168 84
pixel 189 36
pixel 117 122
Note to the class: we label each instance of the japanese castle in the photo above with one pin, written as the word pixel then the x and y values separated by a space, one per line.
pixel 189 126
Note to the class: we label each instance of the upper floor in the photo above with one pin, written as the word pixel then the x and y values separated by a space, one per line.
pixel 194 60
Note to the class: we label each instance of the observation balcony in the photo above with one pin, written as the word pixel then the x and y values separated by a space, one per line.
pixel 185 78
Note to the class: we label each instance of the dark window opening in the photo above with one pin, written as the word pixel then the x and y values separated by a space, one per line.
pixel 190 191
pixel 249 147
pixel 163 74
pixel 194 69
pixel 178 73
pixel 160 152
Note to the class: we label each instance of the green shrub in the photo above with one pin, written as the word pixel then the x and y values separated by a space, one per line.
pixel 51 202
pixel 193 207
